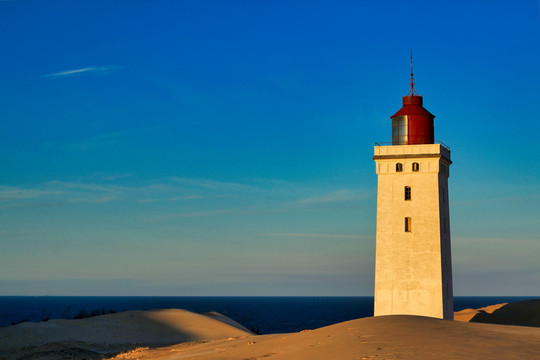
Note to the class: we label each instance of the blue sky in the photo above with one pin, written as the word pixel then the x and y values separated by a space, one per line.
pixel 225 147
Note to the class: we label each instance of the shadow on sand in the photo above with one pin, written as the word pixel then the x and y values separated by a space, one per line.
pixel 522 313
pixel 104 336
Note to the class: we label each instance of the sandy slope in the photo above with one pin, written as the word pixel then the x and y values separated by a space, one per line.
pixel 520 313
pixel 149 335
pixel 468 314
pixel 115 332
pixel 385 337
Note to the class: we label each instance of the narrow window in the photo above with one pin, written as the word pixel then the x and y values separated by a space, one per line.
pixel 443 196
pixel 415 166
pixel 399 167
pixel 408 224
pixel 407 193
pixel 444 224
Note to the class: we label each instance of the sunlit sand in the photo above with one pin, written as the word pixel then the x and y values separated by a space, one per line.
pixel 179 334
pixel 468 314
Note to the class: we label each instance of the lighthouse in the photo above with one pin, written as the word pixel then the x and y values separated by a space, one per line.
pixel 413 267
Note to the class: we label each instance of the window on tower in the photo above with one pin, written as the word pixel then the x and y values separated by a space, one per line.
pixel 399 167
pixel 408 224
pixel 407 193
pixel 399 130
pixel 415 166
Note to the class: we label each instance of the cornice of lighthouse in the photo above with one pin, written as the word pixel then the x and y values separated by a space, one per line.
pixel 412 151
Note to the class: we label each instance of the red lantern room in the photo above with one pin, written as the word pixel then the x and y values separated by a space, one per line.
pixel 412 124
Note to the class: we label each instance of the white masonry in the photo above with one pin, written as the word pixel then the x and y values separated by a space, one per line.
pixel 413 267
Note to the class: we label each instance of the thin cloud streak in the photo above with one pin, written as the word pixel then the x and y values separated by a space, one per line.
pixel 8 193
pixel 212 184
pixel 239 198
pixel 67 192
pixel 492 200
pixel 175 199
pixel 88 186
pixel 205 213
pixel 95 69
pixel 334 197
pixel 69 72
pixel 97 141
pixel 61 193
pixel 316 235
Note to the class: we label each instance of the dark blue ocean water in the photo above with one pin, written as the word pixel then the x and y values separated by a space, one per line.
pixel 264 314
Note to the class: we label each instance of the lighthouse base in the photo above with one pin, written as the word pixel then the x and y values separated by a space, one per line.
pixel 413 268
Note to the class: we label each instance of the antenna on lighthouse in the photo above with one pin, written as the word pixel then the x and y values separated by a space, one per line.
pixel 412 92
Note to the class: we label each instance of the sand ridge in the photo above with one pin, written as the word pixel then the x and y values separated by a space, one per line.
pixel 384 337
pixel 180 334
pixel 468 314
pixel 118 332
pixel 520 313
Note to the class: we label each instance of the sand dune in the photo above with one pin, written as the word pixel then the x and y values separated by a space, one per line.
pixel 116 332
pixel 468 314
pixel 385 337
pixel 150 335
pixel 521 313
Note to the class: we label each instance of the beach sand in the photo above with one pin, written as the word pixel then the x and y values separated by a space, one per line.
pixel 178 334
pixel 523 313
pixel 468 314
pixel 108 334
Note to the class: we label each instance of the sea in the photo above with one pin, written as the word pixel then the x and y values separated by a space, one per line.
pixel 263 315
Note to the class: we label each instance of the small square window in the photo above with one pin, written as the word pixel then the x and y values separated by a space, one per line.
pixel 408 224
pixel 415 166
pixel 399 167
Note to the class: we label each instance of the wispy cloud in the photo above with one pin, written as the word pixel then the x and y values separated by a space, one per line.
pixel 103 188
pixel 511 253
pixel 70 72
pixel 212 184
pixel 334 197
pixel 99 141
pixel 178 197
pixel 492 200
pixel 88 186
pixel 204 213
pixel 317 235
pixel 56 193
pixel 173 199
pixel 112 177
pixel 15 193
pixel 97 70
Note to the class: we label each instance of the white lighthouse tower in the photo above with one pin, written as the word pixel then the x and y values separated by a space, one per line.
pixel 413 267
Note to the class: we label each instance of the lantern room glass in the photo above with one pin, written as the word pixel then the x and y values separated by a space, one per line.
pixel 400 130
